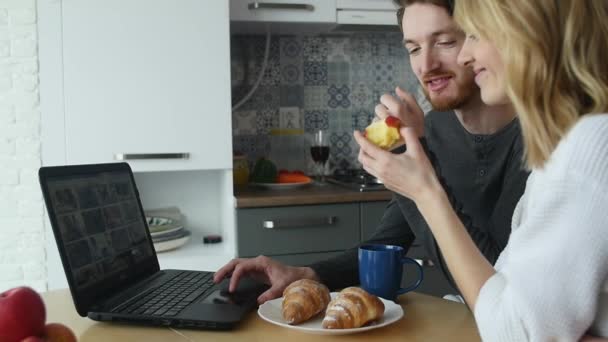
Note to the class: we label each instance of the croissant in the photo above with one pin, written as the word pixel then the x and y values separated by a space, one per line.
pixel 304 299
pixel 353 307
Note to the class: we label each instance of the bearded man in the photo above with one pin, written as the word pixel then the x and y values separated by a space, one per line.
pixel 476 149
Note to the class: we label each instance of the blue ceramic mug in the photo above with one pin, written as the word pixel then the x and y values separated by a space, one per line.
pixel 381 269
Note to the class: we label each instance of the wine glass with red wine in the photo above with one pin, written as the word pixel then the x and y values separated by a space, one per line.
pixel 319 150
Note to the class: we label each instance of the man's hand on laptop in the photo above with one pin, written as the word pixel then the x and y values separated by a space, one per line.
pixel 265 270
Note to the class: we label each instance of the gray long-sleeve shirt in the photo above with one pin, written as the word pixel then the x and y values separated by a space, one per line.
pixel 484 178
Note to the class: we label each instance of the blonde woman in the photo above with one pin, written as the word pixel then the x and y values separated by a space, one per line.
pixel 549 59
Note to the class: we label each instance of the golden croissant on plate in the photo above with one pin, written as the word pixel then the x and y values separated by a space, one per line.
pixel 353 307
pixel 304 299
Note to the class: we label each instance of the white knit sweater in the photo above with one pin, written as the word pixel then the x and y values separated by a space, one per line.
pixel 552 278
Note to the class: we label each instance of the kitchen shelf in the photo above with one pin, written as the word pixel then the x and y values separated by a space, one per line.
pixel 195 255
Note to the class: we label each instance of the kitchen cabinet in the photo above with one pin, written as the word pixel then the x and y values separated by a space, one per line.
pixel 303 234
pixel 151 78
pixel 298 230
pixel 282 16
pixel 325 13
pixel 306 244
pixel 366 12
pixel 147 81
pixel 371 213
pixel 284 11
pixel 324 221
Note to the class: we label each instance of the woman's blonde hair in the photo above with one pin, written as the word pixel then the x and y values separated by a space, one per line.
pixel 556 61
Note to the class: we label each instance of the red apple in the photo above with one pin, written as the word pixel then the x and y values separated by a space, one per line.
pixel 22 314
pixel 56 332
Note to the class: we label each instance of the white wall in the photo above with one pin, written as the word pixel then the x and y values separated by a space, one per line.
pixel 22 239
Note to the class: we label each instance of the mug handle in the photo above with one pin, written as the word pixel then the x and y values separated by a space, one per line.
pixel 406 260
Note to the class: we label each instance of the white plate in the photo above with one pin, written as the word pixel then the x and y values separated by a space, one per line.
pixel 158 220
pixel 171 244
pixel 281 186
pixel 167 230
pixel 271 312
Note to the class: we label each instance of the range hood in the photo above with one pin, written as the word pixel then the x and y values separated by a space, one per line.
pixel 312 16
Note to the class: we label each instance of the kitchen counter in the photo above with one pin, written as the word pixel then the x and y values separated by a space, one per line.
pixel 255 197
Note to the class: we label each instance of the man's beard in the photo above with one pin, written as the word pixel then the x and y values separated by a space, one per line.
pixel 465 90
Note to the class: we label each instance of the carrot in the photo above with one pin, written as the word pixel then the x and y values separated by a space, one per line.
pixel 292 178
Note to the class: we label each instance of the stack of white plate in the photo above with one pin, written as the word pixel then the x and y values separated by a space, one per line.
pixel 167 233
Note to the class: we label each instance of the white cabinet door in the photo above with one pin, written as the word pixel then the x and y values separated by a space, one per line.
pixel 147 77
pixel 284 11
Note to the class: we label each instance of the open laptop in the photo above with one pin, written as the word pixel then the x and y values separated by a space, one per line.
pixel 110 262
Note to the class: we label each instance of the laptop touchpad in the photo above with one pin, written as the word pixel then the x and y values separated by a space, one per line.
pixel 223 297
pixel 246 293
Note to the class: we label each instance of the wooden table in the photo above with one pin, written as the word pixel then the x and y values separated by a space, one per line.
pixel 426 319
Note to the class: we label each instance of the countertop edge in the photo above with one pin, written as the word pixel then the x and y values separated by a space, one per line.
pixel 269 198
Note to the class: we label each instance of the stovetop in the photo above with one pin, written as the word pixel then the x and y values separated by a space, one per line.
pixel 356 179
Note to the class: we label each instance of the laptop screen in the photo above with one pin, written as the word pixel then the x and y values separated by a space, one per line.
pixel 99 226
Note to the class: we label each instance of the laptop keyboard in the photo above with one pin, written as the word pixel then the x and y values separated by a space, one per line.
pixel 172 297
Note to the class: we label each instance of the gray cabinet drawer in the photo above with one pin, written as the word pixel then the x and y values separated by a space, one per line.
pixel 371 214
pixel 297 229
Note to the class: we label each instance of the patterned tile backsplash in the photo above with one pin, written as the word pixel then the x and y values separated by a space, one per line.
pixel 310 83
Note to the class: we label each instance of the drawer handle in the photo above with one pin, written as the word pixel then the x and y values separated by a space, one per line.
pixel 253 6
pixel 147 156
pixel 293 223
pixel 425 262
